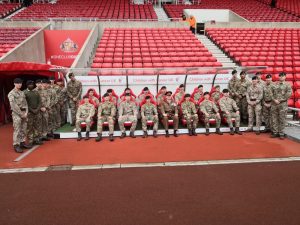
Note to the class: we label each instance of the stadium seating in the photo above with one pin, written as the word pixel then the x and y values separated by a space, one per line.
pixel 11 37
pixel 279 49
pixel 151 48
pixel 7 8
pixel 252 10
pixel 100 9
pixel 290 6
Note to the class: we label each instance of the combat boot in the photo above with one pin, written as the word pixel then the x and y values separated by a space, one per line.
pixel 281 136
pixel 145 134
pixel 132 134
pixel 274 135
pixel 45 138
pixel 38 142
pixel 237 131
pixel 79 136
pixel 175 133
pixel 18 149
pixel 190 132
pixel 123 135
pixel 194 132
pixel 257 132
pixel 250 129
pixel 99 137
pixel 155 133
pixel 218 131
pixel 25 146
pixel 87 136
pixel 206 132
pixel 231 131
pixel 167 133
pixel 111 137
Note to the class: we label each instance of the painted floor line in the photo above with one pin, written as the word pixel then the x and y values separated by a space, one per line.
pixel 162 164
pixel 25 154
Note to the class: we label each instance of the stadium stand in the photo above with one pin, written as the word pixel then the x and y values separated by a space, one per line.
pixel 151 48
pixel 8 8
pixel 290 6
pixel 279 49
pixel 100 9
pixel 11 37
pixel 251 10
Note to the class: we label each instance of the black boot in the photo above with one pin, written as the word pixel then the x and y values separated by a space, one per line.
pixel 281 136
pixel 274 135
pixel 111 137
pixel 79 136
pixel 99 137
pixel 155 133
pixel 206 132
pixel 167 133
pixel 132 134
pixel 123 135
pixel 38 142
pixel 25 146
pixel 190 132
pixel 231 131
pixel 237 131
pixel 18 149
pixel 218 131
pixel 175 133
pixel 257 132
pixel 45 138
pixel 194 132
pixel 87 136
pixel 145 134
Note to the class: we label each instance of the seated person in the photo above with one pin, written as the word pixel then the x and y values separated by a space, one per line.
pixel 210 111
pixel 127 112
pixel 179 94
pixel 145 92
pixel 197 93
pixel 93 96
pixel 85 112
pixel 113 97
pixel 215 94
pixel 127 91
pixel 161 94
pixel 149 112
pixel 169 111
pixel 189 113
pixel 230 110
pixel 106 113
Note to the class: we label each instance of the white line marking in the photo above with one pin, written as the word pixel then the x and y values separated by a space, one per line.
pixel 26 153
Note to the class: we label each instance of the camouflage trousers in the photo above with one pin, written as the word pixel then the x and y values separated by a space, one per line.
pixel 278 113
pixel 73 106
pixel 43 129
pixel 254 111
pixel 232 115
pixel 170 117
pixel 88 122
pixel 61 114
pixel 127 118
pixel 243 106
pixel 33 127
pixel 52 119
pixel 153 118
pixel 191 121
pixel 20 128
pixel 212 116
pixel 267 117
pixel 101 121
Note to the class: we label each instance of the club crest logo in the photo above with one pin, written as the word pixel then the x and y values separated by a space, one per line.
pixel 69 46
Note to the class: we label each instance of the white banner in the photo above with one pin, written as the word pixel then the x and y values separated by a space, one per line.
pixel 112 80
pixel 88 80
pixel 142 80
pixel 171 79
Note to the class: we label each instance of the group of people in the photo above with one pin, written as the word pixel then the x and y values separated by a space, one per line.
pixel 38 111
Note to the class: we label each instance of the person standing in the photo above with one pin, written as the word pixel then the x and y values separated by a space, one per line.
pixel 241 100
pixel 62 103
pixel 74 90
pixel 266 103
pixel 19 108
pixel 233 86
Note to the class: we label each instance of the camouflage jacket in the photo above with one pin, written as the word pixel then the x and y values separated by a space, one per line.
pixel 17 101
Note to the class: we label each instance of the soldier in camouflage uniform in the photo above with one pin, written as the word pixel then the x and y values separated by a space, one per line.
pixel 267 100
pixel 233 85
pixel 52 109
pixel 180 94
pixel 34 103
pixel 112 97
pixel 56 113
pixel 144 93
pixel 161 94
pixel 149 112
pixel 241 98
pixel 43 114
pixel 85 113
pixel 169 111
pixel 74 90
pixel 216 94
pixel 189 113
pixel 210 111
pixel 254 96
pixel 260 82
pixel 230 110
pixel 91 94
pixel 19 108
pixel 281 92
pixel 61 106
pixel 127 112
pixel 198 93
pixel 106 113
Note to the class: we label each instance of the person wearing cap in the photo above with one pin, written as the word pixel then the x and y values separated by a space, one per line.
pixel 197 93
pixel 34 103
pixel 241 100
pixel 52 109
pixel 210 111
pixel 149 112
pixel 127 113
pixel 169 111
pixel 19 108
pixel 62 103
pixel 106 113
pixel 233 85
pixel 260 82
pixel 74 90
pixel 281 92
pixel 254 97
pixel 43 114
pixel 266 102
pixel 85 113
pixel 161 94
pixel 230 110
pixel 180 94
pixel 189 113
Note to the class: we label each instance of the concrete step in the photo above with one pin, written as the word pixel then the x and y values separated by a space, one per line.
pixel 16 12
pixel 161 14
